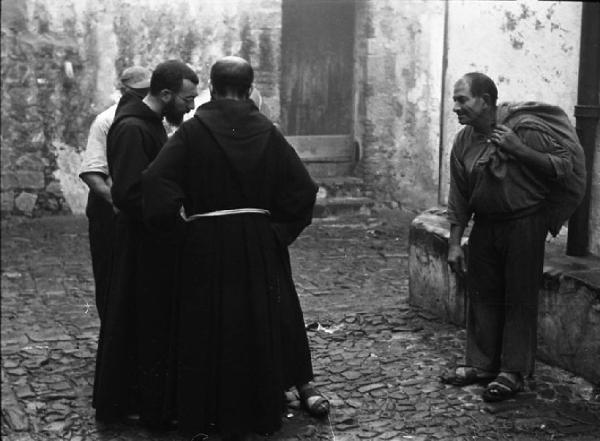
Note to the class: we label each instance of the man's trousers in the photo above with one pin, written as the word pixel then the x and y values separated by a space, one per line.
pixel 505 265
pixel 101 231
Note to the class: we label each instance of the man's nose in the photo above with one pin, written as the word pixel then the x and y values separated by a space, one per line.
pixel 456 107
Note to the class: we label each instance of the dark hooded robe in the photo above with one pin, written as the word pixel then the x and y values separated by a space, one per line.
pixel 242 339
pixel 134 347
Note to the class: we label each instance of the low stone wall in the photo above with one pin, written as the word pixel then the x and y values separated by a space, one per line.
pixel 569 301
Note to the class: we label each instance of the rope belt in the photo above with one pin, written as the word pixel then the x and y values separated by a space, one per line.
pixel 225 213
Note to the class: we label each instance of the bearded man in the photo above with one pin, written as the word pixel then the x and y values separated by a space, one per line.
pixel 132 366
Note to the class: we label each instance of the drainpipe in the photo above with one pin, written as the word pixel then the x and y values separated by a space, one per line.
pixel 587 114
pixel 441 155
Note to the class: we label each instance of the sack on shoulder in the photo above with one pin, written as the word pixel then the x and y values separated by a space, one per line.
pixel 566 193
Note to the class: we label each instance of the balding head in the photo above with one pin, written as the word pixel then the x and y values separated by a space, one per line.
pixel 231 77
pixel 482 85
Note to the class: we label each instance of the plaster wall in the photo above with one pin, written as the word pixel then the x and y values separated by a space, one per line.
pixel 401 90
pixel 60 63
pixel 594 237
pixel 530 49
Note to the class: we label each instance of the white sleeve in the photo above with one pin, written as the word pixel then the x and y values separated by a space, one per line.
pixel 94 158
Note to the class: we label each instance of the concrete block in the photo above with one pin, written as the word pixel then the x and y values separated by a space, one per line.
pixel 432 286
pixel 569 314
pixel 569 299
pixel 25 202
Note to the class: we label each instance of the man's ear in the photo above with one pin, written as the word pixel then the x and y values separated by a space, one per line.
pixel 166 95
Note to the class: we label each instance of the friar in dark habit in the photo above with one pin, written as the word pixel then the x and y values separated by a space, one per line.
pixel 135 346
pixel 246 197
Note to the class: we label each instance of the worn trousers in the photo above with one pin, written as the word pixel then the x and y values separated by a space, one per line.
pixel 101 220
pixel 505 265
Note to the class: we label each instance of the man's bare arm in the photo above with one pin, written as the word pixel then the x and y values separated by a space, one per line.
pixel 98 184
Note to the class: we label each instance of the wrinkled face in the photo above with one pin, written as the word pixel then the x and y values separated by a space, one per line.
pixel 469 109
pixel 180 103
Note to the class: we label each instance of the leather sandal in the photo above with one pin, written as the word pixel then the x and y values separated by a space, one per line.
pixel 313 401
pixel 466 375
pixel 502 388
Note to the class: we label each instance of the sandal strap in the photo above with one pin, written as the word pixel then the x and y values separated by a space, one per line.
pixel 505 383
pixel 319 402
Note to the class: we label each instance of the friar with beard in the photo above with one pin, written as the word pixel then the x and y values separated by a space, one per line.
pixel 132 366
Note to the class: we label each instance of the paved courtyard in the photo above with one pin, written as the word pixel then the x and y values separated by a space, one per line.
pixel 376 358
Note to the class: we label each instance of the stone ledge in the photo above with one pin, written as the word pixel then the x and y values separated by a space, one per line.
pixel 569 302
pixel 336 206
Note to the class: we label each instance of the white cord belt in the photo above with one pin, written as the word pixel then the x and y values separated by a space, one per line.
pixel 225 213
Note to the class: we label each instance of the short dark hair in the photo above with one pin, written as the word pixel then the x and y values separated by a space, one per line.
pixel 170 75
pixel 233 75
pixel 480 84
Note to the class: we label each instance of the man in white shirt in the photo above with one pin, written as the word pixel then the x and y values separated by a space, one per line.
pixel 94 172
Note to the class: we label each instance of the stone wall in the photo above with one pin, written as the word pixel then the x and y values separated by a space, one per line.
pixel 569 299
pixel 60 61
pixel 402 90
pixel 45 100
pixel 61 58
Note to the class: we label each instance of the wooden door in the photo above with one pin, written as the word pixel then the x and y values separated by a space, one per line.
pixel 317 66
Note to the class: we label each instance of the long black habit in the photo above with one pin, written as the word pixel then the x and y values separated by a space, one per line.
pixel 241 339
pixel 134 348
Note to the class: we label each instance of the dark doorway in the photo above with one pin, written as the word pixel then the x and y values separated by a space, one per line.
pixel 317 66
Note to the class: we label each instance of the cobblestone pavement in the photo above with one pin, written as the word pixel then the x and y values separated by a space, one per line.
pixel 377 358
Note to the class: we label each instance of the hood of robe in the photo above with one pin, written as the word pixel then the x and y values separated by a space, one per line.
pixel 240 130
pixel 132 106
pixel 231 120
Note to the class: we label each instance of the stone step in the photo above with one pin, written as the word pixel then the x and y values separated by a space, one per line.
pixel 329 169
pixel 323 148
pixel 335 206
pixel 341 186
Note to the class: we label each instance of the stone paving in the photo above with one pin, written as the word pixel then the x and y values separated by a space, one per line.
pixel 377 358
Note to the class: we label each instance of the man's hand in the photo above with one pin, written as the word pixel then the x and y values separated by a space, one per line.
pixel 507 140
pixel 98 184
pixel 456 260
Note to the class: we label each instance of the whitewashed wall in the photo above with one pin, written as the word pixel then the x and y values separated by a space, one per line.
pixel 530 49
